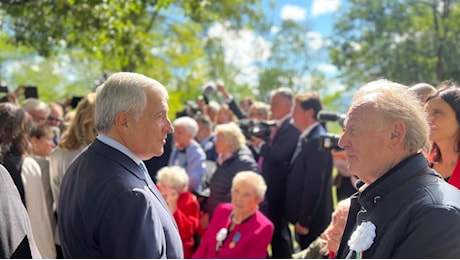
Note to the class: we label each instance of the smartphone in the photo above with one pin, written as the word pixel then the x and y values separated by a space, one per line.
pixel 4 89
pixel 74 101
pixel 30 92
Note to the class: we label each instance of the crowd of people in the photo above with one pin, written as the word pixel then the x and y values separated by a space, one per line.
pixel 116 178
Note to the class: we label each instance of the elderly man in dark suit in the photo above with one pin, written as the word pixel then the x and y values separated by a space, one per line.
pixel 274 160
pixel 309 186
pixel 110 207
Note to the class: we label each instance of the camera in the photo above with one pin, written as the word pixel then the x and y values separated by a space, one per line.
pixel 329 142
pixel 257 128
pixel 4 89
pixel 190 109
pixel 30 92
pixel 331 117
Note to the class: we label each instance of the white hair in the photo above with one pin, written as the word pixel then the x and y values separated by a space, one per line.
pixel 189 124
pixel 123 92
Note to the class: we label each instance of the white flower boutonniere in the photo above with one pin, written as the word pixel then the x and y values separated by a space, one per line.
pixel 220 237
pixel 362 238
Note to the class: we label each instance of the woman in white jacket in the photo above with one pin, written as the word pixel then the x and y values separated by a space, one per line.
pixel 25 171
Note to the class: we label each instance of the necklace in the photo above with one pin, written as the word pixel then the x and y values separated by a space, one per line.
pixel 237 222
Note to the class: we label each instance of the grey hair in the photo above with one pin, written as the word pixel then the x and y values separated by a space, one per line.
pixel 189 124
pixel 232 135
pixel 395 101
pixel 253 178
pixel 123 92
pixel 32 104
pixel 285 93
pixel 175 177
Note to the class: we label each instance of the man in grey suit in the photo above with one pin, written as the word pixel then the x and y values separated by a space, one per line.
pixel 110 207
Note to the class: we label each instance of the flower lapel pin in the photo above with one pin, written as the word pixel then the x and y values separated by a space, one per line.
pixel 363 238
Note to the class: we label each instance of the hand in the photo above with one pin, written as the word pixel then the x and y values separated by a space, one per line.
pixel 220 87
pixel 12 98
pixel 204 221
pixel 170 195
pixel 342 167
pixel 332 238
pixel 301 229
pixel 256 142
pixel 171 199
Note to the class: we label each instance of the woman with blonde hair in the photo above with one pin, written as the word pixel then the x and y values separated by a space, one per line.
pixel 234 156
pixel 80 133
pixel 172 182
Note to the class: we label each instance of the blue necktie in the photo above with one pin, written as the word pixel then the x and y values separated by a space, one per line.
pixel 297 151
pixel 146 175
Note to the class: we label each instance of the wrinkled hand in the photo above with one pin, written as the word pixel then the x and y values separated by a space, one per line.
pixel 301 229
pixel 170 195
pixel 332 237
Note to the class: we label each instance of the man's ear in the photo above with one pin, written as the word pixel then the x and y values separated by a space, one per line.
pixel 122 122
pixel 398 132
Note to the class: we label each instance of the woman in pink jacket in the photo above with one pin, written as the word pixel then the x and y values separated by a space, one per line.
pixel 239 229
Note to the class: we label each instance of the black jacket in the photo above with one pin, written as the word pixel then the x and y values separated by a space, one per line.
pixel 416 214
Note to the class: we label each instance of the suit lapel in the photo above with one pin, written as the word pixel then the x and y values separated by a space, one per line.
pixel 126 162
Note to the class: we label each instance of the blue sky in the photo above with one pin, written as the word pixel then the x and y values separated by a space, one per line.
pixel 244 48
pixel 318 12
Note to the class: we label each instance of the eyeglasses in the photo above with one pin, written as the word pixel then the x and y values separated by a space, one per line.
pixel 55 119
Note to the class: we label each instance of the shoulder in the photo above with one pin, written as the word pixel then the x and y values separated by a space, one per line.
pixel 30 166
pixel 263 220
pixel 194 148
pixel 223 209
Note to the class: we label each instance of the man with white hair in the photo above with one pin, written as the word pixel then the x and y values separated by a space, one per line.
pixel 404 209
pixel 108 204
pixel 187 153
pixel 39 110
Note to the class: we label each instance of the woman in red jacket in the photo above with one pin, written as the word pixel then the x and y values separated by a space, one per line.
pixel 172 182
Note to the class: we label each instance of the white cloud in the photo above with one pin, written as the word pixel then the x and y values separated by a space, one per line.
pixel 315 40
pixel 242 49
pixel 327 68
pixel 292 12
pixel 319 7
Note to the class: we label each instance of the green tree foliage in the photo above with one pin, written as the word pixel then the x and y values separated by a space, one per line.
pixel 408 41
pixel 164 39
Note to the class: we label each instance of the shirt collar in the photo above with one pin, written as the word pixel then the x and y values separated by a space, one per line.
pixel 118 146
pixel 308 130
pixel 281 120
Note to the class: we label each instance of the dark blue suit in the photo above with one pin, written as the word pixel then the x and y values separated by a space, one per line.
pixel 107 210
pixel 309 187
pixel 277 156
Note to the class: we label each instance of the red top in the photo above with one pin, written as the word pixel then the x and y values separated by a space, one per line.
pixel 186 217
pixel 455 177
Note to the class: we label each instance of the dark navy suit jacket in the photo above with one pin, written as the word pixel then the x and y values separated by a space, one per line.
pixel 107 210
pixel 276 162
pixel 309 185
